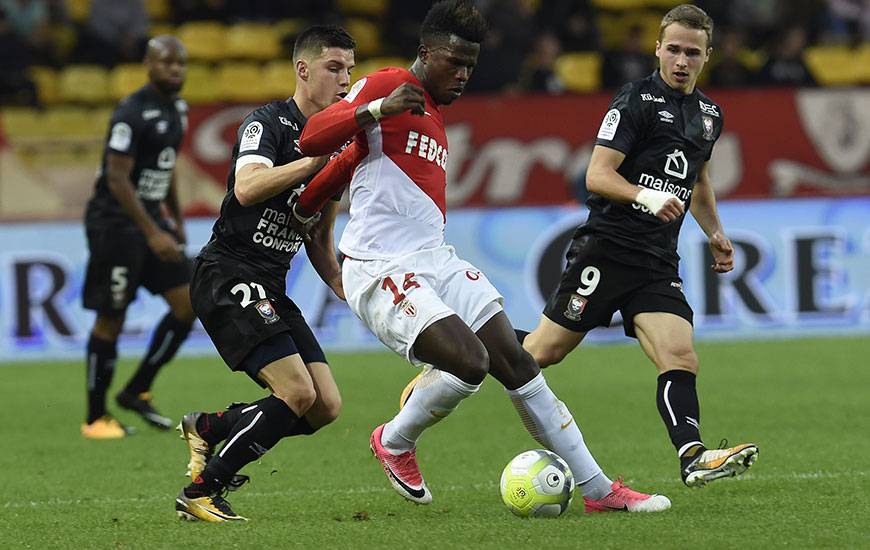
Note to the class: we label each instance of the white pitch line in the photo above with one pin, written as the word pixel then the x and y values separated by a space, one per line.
pixel 245 495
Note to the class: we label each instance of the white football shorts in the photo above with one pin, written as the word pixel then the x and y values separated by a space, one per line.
pixel 399 298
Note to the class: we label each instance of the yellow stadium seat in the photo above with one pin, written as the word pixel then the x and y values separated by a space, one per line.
pixel 126 79
pixel 367 36
pixel 241 82
pixel 833 65
pixel 252 41
pixel 580 72
pixel 47 84
pixel 158 29
pixel 618 4
pixel 289 26
pixel 158 10
pixel 374 8
pixel 204 40
pixel 69 121
pixel 279 78
pixel 78 10
pixel 200 86
pixel 663 4
pixel 84 84
pixel 21 122
pixel 863 63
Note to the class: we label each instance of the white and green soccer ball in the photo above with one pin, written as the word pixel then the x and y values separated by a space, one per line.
pixel 537 484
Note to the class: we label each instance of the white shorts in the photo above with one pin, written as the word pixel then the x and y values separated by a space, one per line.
pixel 399 298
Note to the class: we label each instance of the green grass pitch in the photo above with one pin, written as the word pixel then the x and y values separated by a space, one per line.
pixel 806 403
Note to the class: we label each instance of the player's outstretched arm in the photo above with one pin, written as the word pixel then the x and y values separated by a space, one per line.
pixel 321 249
pixel 118 169
pixel 329 181
pixel 603 179
pixel 704 211
pixel 257 182
pixel 171 202
pixel 329 129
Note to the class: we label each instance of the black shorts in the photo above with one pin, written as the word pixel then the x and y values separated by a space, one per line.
pixel 120 262
pixel 594 286
pixel 243 316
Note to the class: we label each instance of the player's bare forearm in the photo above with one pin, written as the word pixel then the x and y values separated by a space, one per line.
pixel 603 178
pixel 172 205
pixel 321 249
pixel 703 206
pixel 118 169
pixel 257 182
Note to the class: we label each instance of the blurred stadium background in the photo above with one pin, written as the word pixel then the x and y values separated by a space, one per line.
pixel 791 168
pixel 792 177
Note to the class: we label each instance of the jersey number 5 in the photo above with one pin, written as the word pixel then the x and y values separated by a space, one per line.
pixel 409 283
pixel 245 291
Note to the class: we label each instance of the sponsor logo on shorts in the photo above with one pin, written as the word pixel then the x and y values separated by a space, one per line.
pixel 267 312
pixel 678 285
pixel 408 308
pixel 576 305
pixel 473 275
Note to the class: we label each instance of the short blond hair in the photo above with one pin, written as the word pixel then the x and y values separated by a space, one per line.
pixel 689 16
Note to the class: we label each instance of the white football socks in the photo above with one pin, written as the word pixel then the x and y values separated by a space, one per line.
pixel 435 396
pixel 550 423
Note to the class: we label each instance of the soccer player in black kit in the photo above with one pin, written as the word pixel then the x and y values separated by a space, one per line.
pixel 132 243
pixel 650 164
pixel 238 287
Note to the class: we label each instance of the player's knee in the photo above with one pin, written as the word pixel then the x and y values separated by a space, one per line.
pixel 184 313
pixel 299 399
pixel 331 409
pixel 682 357
pixel 108 327
pixel 472 363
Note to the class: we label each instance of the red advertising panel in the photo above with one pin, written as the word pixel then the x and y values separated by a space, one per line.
pixel 507 151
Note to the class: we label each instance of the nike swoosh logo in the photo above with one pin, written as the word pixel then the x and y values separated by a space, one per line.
pixel 566 424
pixel 416 493
pixel 617 509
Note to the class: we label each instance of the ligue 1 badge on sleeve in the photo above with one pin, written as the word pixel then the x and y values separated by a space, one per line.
pixel 576 305
pixel 708 127
pixel 267 312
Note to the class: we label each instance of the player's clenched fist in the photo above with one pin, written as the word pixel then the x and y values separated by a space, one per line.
pixel 403 98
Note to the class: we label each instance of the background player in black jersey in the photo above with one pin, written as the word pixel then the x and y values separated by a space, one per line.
pixel 238 287
pixel 649 164
pixel 131 242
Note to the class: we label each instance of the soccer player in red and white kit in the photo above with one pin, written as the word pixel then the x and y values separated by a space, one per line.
pixel 407 285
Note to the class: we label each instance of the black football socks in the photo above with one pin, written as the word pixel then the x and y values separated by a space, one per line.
pixel 677 402
pixel 101 358
pixel 258 428
pixel 167 338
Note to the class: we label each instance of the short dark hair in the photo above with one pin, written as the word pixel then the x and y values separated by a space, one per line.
pixel 318 37
pixel 457 17
pixel 689 16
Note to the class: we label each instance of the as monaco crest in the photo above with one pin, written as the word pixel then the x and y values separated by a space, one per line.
pixel 408 308
pixel 267 312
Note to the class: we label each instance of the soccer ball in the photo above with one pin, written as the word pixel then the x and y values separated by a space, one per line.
pixel 537 484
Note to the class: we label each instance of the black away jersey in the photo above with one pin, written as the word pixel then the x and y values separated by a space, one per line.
pixel 666 137
pixel 148 127
pixel 260 235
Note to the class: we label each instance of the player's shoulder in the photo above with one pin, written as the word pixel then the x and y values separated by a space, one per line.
pixel 274 115
pixel 381 82
pixel 707 105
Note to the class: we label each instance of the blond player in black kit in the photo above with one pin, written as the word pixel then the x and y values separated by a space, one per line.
pixel 649 166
